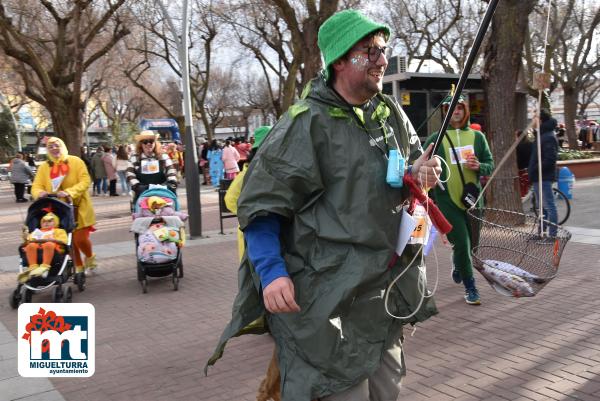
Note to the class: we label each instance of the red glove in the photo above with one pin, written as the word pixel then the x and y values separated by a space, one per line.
pixel 436 216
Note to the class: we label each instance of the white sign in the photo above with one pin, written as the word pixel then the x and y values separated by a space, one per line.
pixel 57 340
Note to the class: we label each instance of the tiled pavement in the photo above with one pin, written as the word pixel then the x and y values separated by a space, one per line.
pixel 153 346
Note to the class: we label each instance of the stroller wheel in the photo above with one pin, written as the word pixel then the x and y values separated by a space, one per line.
pixel 79 279
pixel 175 282
pixel 26 295
pixel 15 298
pixel 144 284
pixel 57 294
pixel 68 295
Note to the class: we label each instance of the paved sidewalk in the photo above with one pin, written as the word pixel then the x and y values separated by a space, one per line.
pixel 154 346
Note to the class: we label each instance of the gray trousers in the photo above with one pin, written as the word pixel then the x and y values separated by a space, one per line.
pixel 384 384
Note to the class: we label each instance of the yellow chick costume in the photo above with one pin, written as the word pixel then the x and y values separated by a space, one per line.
pixel 76 183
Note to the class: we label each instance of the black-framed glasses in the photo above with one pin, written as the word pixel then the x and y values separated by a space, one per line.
pixel 147 141
pixel 373 53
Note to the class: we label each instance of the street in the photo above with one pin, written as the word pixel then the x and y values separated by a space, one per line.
pixel 154 346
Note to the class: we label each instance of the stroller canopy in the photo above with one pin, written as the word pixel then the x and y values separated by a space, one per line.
pixel 161 192
pixel 41 206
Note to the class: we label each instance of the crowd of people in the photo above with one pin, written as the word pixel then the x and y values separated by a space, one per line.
pixel 220 160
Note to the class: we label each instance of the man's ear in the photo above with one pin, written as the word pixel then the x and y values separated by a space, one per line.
pixel 339 64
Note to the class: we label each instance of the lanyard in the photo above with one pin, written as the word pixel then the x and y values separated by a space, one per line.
pixel 361 122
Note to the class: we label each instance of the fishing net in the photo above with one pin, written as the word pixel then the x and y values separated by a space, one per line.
pixel 511 252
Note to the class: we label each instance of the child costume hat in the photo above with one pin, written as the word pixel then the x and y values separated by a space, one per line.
pixel 341 32
pixel 51 216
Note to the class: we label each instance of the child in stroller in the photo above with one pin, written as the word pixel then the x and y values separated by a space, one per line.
pixel 159 235
pixel 49 225
pixel 50 239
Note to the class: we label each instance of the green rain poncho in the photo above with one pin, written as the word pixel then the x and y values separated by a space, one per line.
pixel 320 169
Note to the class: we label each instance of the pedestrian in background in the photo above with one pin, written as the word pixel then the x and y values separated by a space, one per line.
pixel 203 164
pixel 561 134
pixel 243 149
pixel 110 165
pixel 121 165
pixel 99 171
pixel 230 159
pixel 20 175
pixel 30 160
pixel 215 164
pixel 549 156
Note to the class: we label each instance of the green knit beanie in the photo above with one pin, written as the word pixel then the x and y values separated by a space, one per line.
pixel 341 32
pixel 259 135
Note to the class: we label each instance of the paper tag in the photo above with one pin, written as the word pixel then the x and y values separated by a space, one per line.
pixel 420 234
pixel 149 166
pixel 39 234
pixel 463 153
pixel 407 226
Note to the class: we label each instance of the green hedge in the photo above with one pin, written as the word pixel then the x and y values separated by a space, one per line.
pixel 566 154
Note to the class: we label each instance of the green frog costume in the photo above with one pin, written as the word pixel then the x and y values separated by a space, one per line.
pixel 465 141
pixel 322 169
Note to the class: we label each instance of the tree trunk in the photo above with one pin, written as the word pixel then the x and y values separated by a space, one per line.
pixel 500 75
pixel 310 49
pixel 66 122
pixel 570 105
pixel 181 125
pixel 289 86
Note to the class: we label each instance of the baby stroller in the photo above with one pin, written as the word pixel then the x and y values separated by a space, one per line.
pixel 61 268
pixel 154 267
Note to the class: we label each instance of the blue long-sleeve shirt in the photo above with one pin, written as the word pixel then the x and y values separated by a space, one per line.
pixel 264 250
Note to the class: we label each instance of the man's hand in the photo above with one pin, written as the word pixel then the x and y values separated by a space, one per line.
pixel 279 296
pixel 427 171
pixel 42 194
pixel 472 163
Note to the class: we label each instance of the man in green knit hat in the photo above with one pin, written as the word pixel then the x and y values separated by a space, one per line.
pixel 470 148
pixel 321 225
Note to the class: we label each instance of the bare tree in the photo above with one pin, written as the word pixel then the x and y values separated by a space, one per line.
pixel 282 36
pixel 256 96
pixel 500 74
pixel 439 30
pixel 157 50
pixel 52 45
pixel 576 60
pixel 221 99
pixel 589 95
pixel 572 57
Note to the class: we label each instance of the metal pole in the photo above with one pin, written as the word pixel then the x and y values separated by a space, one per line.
pixel 485 22
pixel 192 178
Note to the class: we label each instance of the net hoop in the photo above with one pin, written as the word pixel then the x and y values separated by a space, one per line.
pixel 509 249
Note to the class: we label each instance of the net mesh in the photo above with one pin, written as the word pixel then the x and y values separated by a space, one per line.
pixel 511 252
